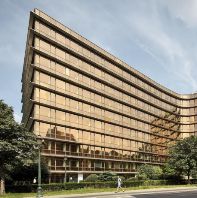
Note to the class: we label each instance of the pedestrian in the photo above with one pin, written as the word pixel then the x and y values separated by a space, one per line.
pixel 119 185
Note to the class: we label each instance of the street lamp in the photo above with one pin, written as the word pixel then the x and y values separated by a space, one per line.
pixel 39 189
pixel 65 160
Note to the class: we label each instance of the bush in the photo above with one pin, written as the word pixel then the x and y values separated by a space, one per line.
pixel 157 172
pixel 136 183
pixel 132 179
pixel 146 171
pixel 45 187
pixel 91 178
pixel 74 185
pixel 107 176
pixel 142 176
pixel 58 186
pixel 21 188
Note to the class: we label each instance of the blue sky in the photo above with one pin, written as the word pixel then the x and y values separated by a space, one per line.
pixel 156 37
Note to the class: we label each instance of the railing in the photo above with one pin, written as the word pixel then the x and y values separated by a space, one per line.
pixel 96 156
pixel 57 152
pixel 61 168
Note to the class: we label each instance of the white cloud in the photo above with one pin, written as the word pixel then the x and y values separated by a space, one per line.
pixel 157 40
pixel 18 117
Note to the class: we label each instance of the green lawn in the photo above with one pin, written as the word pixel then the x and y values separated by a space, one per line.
pixel 87 190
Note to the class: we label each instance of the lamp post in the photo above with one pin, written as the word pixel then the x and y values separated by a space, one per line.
pixel 39 189
pixel 65 160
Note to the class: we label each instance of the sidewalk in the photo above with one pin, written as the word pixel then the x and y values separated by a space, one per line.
pixel 131 192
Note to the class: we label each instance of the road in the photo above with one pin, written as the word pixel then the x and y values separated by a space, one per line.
pixel 155 193
pixel 190 194
pixel 170 194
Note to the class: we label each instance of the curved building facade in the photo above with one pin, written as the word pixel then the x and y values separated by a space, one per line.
pixel 95 112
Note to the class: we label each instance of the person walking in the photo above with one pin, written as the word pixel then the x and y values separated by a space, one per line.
pixel 119 183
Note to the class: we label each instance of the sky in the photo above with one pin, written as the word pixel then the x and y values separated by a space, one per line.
pixel 156 37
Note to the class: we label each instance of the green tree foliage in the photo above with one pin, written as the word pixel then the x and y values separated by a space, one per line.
pixel 170 173
pixel 25 173
pixel 17 145
pixel 146 171
pixel 183 156
pixel 194 174
pixel 107 176
pixel 103 177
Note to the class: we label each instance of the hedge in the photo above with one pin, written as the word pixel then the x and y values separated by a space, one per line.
pixel 74 185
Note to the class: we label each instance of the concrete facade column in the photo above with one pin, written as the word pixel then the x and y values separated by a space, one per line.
pixel 80 177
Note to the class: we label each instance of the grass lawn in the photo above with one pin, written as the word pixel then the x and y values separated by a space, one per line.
pixel 87 190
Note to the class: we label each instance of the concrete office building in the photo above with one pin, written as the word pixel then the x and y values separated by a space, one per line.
pixel 95 112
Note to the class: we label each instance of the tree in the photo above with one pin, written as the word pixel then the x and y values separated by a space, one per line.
pixel 147 171
pixel 27 172
pixel 170 173
pixel 17 145
pixel 183 156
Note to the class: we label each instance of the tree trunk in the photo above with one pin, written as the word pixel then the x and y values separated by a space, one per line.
pixel 188 177
pixel 2 186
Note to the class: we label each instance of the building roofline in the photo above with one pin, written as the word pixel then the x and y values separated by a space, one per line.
pixel 111 57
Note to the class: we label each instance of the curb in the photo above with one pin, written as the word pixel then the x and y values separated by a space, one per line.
pixel 133 192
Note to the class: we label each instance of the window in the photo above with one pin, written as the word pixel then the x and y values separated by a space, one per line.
pixel 44 45
pixel 60 85
pixel 44 78
pixel 44 111
pixel 60 115
pixel 60 100
pixel 60 69
pixel 44 95
pixel 60 53
pixel 60 38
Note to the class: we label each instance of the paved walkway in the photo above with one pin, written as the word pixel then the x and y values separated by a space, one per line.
pixel 123 194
